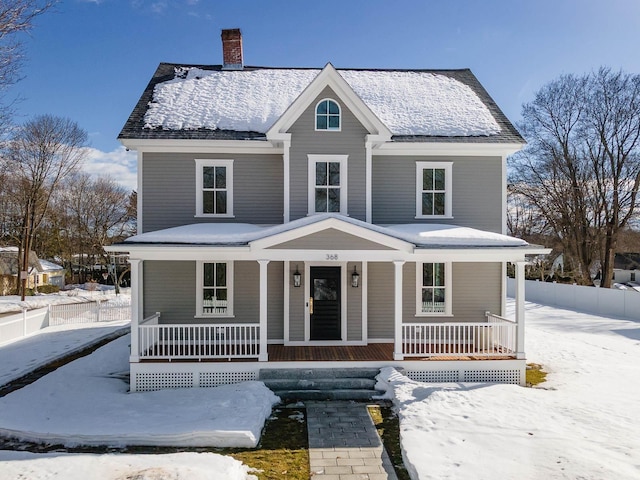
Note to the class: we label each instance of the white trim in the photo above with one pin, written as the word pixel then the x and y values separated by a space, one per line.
pixel 503 186
pixel 397 310
pixel 326 343
pixel 200 289
pixel 311 181
pixel 228 147
pixel 231 253
pixel 337 224
pixel 137 307
pixel 263 310
pixel 287 180
pixel 364 284
pixel 448 295
pixel 287 301
pixel 315 117
pixel 368 169
pixel 329 77
pixel 139 208
pixel 448 188
pixel 448 148
pixel 520 300
pixel 200 164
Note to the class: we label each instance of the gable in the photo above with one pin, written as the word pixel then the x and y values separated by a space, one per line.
pixel 330 238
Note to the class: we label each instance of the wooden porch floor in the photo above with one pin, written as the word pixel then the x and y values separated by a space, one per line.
pixel 374 352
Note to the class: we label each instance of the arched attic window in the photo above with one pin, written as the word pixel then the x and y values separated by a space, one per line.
pixel 328 115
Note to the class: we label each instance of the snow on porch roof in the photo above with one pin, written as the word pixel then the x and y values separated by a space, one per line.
pixel 234 234
pixel 409 103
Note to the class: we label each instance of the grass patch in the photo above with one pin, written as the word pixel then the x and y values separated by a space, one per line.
pixel 283 451
pixel 388 426
pixel 535 375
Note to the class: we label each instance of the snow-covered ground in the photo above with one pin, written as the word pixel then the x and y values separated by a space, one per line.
pixel 581 424
pixel 79 294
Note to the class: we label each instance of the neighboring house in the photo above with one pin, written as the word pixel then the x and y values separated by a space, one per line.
pixel 348 217
pixel 52 274
pixel 10 269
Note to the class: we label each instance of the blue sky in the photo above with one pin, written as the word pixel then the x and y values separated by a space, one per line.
pixel 90 60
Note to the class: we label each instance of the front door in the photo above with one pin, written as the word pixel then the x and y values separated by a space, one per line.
pixel 325 307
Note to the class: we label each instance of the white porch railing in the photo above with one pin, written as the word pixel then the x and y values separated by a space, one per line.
pixel 496 338
pixel 171 342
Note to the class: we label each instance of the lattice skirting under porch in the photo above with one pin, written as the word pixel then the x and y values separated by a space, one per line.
pixel 156 376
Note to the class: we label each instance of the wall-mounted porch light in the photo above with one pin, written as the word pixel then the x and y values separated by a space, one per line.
pixel 355 278
pixel 296 277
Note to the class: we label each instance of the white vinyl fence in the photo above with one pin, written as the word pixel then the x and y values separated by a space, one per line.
pixel 88 313
pixel 599 301
pixel 13 327
pixel 16 326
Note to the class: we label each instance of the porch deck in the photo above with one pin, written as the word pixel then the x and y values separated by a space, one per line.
pixel 374 352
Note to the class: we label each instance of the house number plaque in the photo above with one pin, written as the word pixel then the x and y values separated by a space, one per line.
pixel 332 256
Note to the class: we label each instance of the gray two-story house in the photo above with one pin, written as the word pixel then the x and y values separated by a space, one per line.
pixel 320 218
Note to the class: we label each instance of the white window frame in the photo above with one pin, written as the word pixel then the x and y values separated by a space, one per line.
pixel 200 290
pixel 315 117
pixel 447 291
pixel 200 164
pixel 448 192
pixel 342 160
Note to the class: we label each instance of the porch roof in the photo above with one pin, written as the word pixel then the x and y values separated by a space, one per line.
pixel 243 234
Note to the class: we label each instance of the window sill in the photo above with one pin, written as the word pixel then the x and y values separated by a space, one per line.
pixel 213 215
pixel 435 314
pixel 214 316
pixel 434 217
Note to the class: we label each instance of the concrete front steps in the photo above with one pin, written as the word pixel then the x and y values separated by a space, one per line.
pixel 292 384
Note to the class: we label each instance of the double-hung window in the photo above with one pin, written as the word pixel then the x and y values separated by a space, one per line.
pixel 327 184
pixel 214 188
pixel 327 115
pixel 433 190
pixel 434 289
pixel 215 289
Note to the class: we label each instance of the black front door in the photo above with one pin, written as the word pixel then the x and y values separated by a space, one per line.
pixel 324 306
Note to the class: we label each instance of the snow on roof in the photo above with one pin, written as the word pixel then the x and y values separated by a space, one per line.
pixel 429 235
pixel 407 102
pixel 49 266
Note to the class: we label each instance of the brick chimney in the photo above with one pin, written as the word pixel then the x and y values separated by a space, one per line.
pixel 232 49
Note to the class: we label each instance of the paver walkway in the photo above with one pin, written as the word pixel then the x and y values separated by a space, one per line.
pixel 344 443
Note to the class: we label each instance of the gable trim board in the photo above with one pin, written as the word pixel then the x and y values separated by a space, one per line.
pixel 329 77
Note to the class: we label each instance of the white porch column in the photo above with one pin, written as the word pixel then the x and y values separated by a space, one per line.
pixel 263 311
pixel 137 308
pixel 520 309
pixel 368 179
pixel 397 317
pixel 287 179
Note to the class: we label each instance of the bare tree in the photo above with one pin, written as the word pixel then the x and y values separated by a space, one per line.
pixel 98 210
pixel 41 154
pixel 581 168
pixel 16 16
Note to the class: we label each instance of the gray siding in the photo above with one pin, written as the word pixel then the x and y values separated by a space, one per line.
pixel 477 289
pixel 477 191
pixel 170 288
pixel 349 141
pixel 354 305
pixel 336 239
pixel 296 305
pixel 169 182
pixel 380 300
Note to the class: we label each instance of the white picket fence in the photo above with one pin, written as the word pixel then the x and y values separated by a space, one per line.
pixel 600 301
pixel 88 313
pixel 19 325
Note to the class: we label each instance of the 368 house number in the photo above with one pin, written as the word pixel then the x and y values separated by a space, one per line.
pixel 332 256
